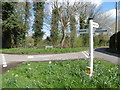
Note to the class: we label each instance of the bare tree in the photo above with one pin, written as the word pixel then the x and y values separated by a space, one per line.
pixel 65 11
pixel 105 21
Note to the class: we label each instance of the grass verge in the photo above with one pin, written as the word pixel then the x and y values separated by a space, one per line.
pixel 31 50
pixel 67 74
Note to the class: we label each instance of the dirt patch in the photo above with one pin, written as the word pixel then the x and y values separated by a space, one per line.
pixel 10 66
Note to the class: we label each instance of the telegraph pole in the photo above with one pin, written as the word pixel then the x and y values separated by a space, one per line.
pixel 116 25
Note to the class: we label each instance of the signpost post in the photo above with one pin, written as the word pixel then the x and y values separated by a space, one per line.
pixel 92 25
pixel 91 45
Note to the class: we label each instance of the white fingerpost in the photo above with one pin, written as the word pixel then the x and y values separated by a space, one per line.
pixel 91 44
pixel 92 25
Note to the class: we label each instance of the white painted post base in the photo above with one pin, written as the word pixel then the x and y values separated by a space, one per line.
pixel 4 65
pixel 4 62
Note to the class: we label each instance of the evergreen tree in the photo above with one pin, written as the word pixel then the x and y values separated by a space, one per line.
pixel 27 18
pixel 9 25
pixel 54 27
pixel 22 11
pixel 73 30
pixel 20 14
pixel 38 22
pixel 14 23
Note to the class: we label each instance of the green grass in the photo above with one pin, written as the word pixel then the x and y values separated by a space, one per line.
pixel 67 74
pixel 31 50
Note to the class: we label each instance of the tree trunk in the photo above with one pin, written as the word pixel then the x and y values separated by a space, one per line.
pixel 63 37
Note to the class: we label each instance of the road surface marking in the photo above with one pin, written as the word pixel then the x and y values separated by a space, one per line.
pixel 41 56
pixel 4 61
pixel 30 56
pixel 85 55
pixel 45 56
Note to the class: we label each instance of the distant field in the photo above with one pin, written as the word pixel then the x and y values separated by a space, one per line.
pixel 31 50
pixel 67 74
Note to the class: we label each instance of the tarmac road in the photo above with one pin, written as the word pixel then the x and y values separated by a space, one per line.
pixel 99 53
